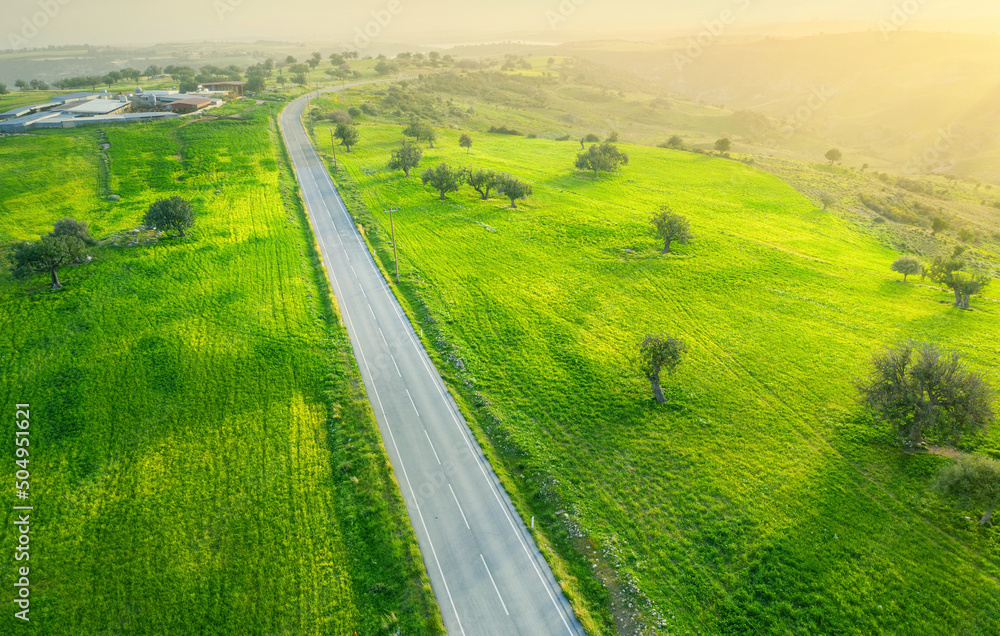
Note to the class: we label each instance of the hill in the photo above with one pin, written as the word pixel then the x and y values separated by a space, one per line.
pixel 924 102
pixel 761 499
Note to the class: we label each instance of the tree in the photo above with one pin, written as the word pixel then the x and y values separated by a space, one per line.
pixel 385 67
pixel 613 137
pixel 3 89
pixel 406 157
pixel 514 189
pixel 603 158
pixel 255 83
pixel 39 85
pixel 290 60
pixel 907 266
pixel 443 179
pixel 347 134
pixel 482 181
pixel 174 213
pixel 465 141
pixel 723 145
pixel 827 199
pixel 939 225
pixel 336 59
pixel 421 132
pixel 965 285
pixel 973 481
pixel 671 227
pixel 656 355
pixel 834 155
pixel 589 139
pixel 152 70
pixel 314 60
pixel 923 390
pixel 46 256
pixel 130 73
pixel 675 142
pixel 21 84
pixel 72 227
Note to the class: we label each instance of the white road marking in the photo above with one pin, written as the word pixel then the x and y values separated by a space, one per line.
pixel 432 449
pixel 494 585
pixel 383 337
pixel 459 507
pixel 393 358
pixel 412 402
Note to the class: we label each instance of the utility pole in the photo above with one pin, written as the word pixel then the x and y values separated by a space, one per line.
pixel 395 257
pixel 333 143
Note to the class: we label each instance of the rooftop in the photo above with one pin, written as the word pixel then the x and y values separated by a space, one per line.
pixel 97 107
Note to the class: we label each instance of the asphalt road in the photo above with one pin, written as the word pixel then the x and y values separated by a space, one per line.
pixel 486 572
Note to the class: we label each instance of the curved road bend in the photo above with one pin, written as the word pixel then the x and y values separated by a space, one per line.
pixel 486 572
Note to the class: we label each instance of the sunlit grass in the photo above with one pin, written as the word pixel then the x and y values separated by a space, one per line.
pixel 760 500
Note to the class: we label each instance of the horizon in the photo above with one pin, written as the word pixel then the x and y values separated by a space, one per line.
pixel 40 24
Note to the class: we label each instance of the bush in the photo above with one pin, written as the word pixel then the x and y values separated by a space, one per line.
pixel 503 130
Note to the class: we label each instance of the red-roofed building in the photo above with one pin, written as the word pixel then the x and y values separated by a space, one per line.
pixel 189 105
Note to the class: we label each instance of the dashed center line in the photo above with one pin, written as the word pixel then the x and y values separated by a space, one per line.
pixel 412 402
pixel 459 507
pixel 494 585
pixel 434 451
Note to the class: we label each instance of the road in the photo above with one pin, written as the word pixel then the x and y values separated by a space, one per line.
pixel 486 571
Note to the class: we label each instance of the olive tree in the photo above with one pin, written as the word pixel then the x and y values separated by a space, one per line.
pixel 174 213
pixel 603 158
pixel 723 145
pixel 347 134
pixel 907 266
pixel 923 390
pixel 71 227
pixel 671 227
pixel 466 142
pixel 656 355
pixel 406 157
pixel 833 155
pixel 973 481
pixel 482 181
pixel 514 189
pixel 46 256
pixel 443 179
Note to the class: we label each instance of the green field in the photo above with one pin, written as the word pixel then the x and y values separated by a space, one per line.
pixel 761 500
pixel 204 459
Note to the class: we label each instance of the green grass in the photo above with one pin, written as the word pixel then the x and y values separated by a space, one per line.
pixel 760 500
pixel 204 460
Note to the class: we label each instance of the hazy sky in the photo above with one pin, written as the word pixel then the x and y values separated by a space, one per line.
pixel 138 22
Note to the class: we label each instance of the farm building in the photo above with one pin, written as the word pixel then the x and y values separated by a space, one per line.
pixel 190 105
pixel 98 107
pixel 229 87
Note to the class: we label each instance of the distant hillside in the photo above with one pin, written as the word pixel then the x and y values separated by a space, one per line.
pixel 925 102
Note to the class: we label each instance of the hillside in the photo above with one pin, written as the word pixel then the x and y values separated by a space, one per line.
pixel 761 499
pixel 893 98
pixel 204 460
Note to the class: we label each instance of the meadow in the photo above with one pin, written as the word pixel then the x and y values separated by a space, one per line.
pixel 204 459
pixel 761 499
